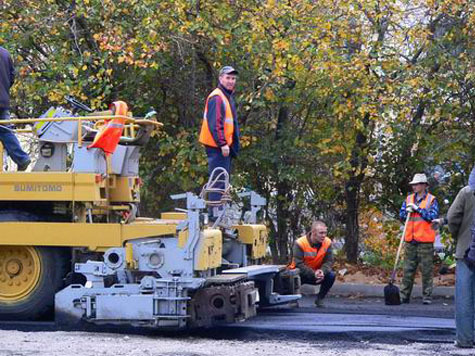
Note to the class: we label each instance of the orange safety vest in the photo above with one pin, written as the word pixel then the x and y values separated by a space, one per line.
pixel 417 228
pixel 206 138
pixel 109 135
pixel 312 256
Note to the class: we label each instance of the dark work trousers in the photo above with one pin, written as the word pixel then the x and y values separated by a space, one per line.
pixel 10 141
pixel 216 159
pixel 325 284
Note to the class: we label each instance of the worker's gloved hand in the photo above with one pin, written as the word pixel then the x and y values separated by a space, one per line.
pixel 411 207
pixel 436 223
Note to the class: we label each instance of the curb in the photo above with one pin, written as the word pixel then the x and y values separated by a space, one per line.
pixel 373 290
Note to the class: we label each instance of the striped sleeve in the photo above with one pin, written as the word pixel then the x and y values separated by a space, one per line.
pixel 430 213
pixel 215 117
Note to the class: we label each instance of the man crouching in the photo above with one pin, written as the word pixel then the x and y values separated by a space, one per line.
pixel 312 254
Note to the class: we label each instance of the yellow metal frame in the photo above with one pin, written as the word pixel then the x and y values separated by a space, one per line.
pixel 173 215
pixel 51 186
pixel 86 187
pixel 210 250
pixel 254 235
pixel 79 119
pixel 96 237
pixel 124 190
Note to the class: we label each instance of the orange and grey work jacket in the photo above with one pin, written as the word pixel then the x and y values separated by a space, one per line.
pixel 417 228
pixel 206 137
pixel 313 256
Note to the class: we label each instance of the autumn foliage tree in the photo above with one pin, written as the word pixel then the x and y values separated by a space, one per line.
pixel 340 101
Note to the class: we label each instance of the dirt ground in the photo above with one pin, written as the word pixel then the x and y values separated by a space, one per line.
pixel 362 274
pixel 17 343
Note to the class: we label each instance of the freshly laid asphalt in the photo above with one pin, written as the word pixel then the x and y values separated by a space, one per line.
pixel 358 312
pixel 349 314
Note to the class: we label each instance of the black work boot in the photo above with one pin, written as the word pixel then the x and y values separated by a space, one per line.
pixel 319 302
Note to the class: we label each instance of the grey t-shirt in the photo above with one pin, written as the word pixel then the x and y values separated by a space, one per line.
pixel 460 219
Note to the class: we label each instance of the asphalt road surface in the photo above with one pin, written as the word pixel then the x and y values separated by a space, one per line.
pixel 345 327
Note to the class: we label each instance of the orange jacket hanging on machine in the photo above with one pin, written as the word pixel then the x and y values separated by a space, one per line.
pixel 206 138
pixel 109 136
pixel 417 228
pixel 312 256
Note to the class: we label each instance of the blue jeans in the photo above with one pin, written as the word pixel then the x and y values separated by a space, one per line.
pixel 464 303
pixel 216 159
pixel 10 142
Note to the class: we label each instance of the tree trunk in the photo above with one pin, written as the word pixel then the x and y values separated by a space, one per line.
pixel 282 233
pixel 280 242
pixel 352 191
pixel 359 163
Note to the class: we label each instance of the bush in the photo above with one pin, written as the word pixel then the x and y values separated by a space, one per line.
pixel 380 238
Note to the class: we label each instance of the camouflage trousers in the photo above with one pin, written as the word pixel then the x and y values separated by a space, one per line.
pixel 415 254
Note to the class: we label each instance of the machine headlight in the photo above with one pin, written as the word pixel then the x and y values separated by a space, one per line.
pixel 155 260
pixel 205 219
pixel 47 150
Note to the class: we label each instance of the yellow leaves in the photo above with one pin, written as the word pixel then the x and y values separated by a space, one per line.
pixel 349 104
pixel 281 45
pixel 53 31
pixel 414 82
pixel 247 140
pixel 186 167
pixel 341 109
pixel 335 149
pixel 269 94
pixel 55 96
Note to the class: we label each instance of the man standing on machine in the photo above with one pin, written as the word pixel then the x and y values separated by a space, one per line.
pixel 220 129
pixel 7 136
